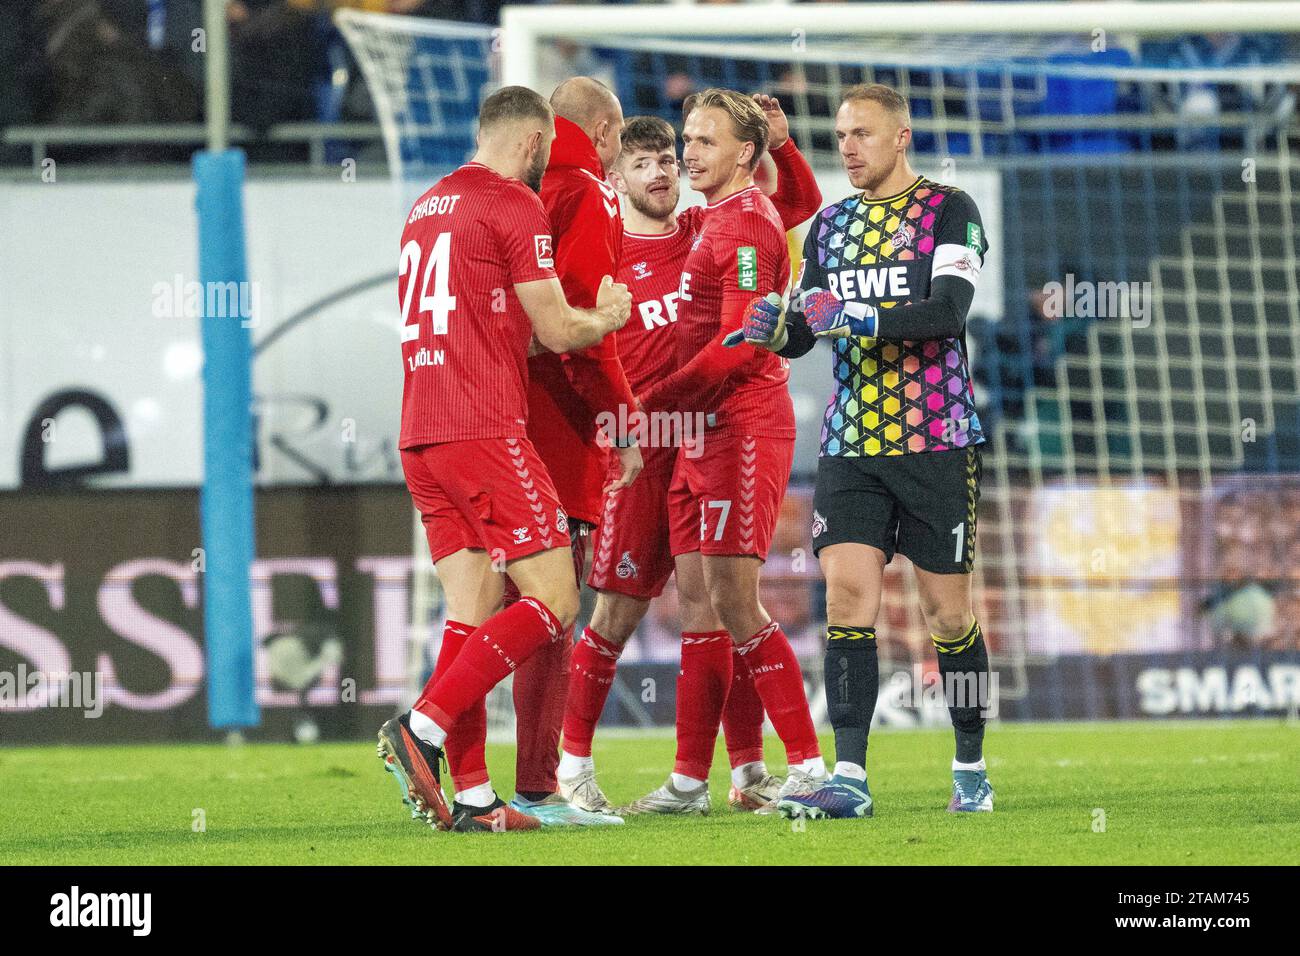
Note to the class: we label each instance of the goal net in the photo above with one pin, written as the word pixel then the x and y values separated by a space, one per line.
pixel 1136 338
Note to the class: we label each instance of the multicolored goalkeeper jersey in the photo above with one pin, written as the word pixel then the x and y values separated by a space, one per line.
pixel 896 397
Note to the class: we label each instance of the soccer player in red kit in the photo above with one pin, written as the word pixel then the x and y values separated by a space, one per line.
pixel 632 560
pixel 476 285
pixel 728 482
pixel 565 395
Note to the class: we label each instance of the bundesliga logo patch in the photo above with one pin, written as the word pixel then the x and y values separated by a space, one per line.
pixel 545 252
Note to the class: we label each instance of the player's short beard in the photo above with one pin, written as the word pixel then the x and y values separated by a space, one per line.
pixel 874 178
pixel 534 173
pixel 643 204
pixel 877 176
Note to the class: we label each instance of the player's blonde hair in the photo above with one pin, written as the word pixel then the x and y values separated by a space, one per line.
pixel 748 121
pixel 886 96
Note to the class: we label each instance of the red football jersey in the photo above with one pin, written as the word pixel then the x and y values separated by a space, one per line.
pixel 465 336
pixel 739 253
pixel 651 268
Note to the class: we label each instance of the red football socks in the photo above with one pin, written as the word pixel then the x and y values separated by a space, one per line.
pixel 780 685
pixel 464 744
pixel 540 691
pixel 742 717
pixel 702 689
pixel 591 675
pixel 506 639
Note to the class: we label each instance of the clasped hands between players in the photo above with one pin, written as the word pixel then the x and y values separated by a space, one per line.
pixel 584 327
pixel 764 321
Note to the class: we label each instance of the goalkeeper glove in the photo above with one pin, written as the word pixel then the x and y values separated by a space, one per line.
pixel 763 324
pixel 828 317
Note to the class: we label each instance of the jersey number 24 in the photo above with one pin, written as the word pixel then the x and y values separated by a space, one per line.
pixel 441 303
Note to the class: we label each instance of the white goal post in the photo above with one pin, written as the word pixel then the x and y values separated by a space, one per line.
pixel 1106 154
pixel 523 28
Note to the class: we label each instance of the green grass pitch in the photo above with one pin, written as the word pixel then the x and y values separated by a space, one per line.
pixel 1127 793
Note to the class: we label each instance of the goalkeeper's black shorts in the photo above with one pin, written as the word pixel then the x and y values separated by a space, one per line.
pixel 920 505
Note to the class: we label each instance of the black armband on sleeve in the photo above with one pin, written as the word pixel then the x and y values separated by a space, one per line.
pixel 941 316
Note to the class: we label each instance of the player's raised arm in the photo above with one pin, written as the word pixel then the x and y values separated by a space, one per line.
pixel 560 327
pixel 783 173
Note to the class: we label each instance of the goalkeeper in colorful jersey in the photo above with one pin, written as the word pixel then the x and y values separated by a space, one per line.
pixel 888 275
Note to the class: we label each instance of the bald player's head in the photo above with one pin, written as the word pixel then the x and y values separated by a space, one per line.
pixel 592 106
pixel 515 129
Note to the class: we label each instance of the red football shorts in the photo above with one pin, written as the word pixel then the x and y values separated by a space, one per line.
pixel 727 498
pixel 630 554
pixel 488 493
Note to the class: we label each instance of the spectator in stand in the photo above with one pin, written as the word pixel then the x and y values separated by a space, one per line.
pixel 91 72
pixel 275 55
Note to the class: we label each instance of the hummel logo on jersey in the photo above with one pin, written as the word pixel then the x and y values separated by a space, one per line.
pixel 522 536
pixel 626 567
pixel 819 524
pixel 545 252
pixel 641 270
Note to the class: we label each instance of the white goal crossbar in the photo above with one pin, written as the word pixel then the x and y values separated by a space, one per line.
pixel 524 27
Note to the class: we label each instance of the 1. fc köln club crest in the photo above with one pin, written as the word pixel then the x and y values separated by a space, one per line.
pixel 903 237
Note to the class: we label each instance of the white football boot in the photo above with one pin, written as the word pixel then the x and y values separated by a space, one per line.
pixel 797 782
pixel 584 793
pixel 668 799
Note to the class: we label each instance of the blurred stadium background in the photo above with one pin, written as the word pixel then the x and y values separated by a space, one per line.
pixel 1136 345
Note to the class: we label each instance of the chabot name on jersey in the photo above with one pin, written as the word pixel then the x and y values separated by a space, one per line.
pixel 884 282
pixel 657 313
pixel 433 206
